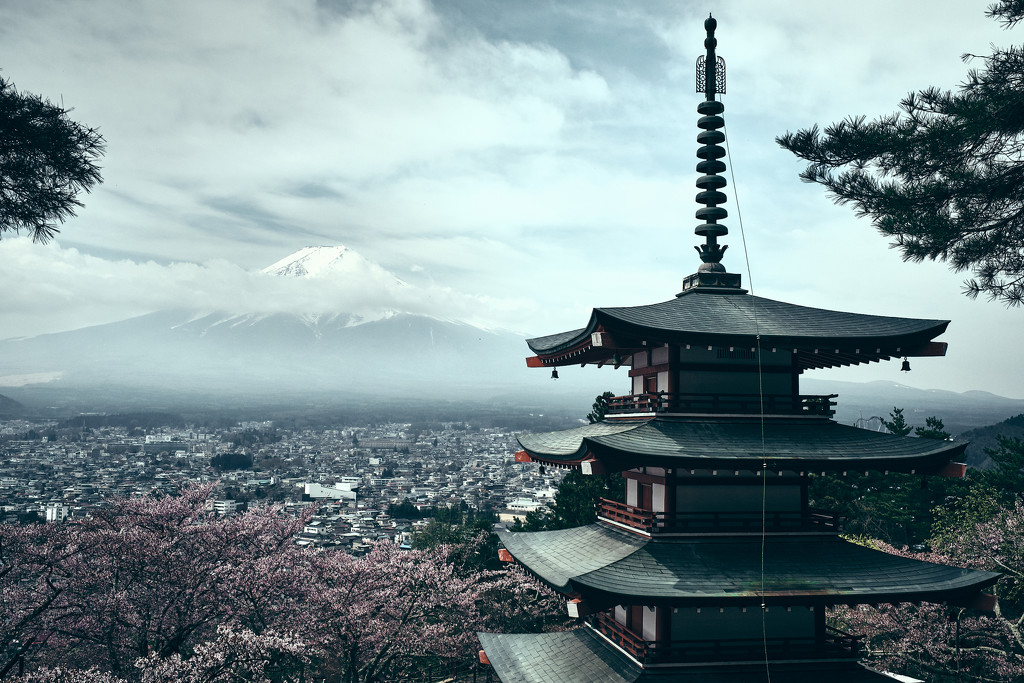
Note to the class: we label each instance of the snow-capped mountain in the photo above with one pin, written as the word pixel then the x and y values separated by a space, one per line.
pixel 362 343
pixel 332 262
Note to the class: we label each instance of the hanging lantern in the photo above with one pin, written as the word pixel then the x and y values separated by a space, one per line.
pixel 906 365
pixel 554 373
pixel 542 470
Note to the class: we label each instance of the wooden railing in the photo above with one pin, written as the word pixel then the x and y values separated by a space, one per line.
pixel 835 645
pixel 696 522
pixel 744 404
pixel 630 515
pixel 620 635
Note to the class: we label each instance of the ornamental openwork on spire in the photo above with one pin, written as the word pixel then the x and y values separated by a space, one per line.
pixel 711 275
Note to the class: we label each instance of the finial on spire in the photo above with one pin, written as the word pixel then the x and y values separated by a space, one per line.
pixel 710 69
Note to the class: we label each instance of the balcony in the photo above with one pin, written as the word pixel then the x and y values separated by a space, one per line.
pixel 719 404
pixel 717 522
pixel 835 645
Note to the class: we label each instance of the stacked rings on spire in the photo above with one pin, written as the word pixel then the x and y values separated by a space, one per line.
pixel 710 152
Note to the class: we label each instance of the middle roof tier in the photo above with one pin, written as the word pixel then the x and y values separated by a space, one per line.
pixel 743 443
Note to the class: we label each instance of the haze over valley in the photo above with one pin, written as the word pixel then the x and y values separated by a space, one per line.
pixel 336 350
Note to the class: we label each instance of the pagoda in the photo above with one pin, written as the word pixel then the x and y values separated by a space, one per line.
pixel 715 567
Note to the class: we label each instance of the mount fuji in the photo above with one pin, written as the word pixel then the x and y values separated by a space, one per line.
pixel 355 347
pixel 325 262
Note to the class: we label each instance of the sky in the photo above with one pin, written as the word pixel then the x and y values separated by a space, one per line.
pixel 517 163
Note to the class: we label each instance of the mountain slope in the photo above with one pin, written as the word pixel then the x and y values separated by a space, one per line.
pixel 9 408
pixel 350 347
pixel 281 353
pixel 364 347
pixel 985 437
pixel 958 411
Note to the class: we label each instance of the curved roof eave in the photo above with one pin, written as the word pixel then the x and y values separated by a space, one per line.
pixel 599 560
pixel 534 551
pixel 581 655
pixel 712 319
pixel 570 445
pixel 557 657
pixel 742 443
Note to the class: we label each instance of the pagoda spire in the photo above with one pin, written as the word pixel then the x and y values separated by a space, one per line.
pixel 710 81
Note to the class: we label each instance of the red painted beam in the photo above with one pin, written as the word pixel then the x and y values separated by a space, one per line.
pixel 953 470
pixel 983 602
pixel 929 349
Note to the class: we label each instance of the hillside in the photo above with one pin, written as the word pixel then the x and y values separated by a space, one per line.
pixel 985 437
pixel 959 411
pixel 9 408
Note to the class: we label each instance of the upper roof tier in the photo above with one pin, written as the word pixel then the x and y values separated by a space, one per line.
pixel 818 337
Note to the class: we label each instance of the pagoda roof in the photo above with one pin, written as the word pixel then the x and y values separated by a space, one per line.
pixel 821 337
pixel 582 655
pixel 562 657
pixel 598 560
pixel 802 444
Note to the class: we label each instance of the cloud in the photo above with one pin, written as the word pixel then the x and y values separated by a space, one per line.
pixel 76 290
pixel 534 159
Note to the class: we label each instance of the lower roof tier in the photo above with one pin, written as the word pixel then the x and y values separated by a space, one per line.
pixel 610 567
pixel 801 444
pixel 582 655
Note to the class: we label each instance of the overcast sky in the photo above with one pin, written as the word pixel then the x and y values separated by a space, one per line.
pixel 516 162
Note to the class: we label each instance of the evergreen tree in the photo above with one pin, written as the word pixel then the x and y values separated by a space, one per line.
pixel 896 508
pixel 575 502
pixel 944 178
pixel 46 159
pixel 1008 475
pixel 933 429
pixel 898 424
pixel 600 407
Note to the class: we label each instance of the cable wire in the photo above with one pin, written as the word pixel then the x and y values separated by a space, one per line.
pixel 760 393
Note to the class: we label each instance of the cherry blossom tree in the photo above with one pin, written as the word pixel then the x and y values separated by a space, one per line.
pixel 945 643
pixel 391 612
pixel 35 563
pixel 234 655
pixel 65 675
pixel 159 589
pixel 159 575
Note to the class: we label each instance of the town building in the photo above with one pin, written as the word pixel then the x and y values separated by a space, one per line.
pixel 57 512
pixel 714 567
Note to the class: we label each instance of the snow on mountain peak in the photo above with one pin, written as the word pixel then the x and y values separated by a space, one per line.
pixel 313 261
pixel 332 262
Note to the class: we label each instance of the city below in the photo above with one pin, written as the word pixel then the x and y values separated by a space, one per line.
pixel 352 475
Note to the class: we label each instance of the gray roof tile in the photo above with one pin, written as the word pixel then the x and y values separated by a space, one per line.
pixel 709 317
pixel 719 570
pixel 579 656
pixel 803 444
pixel 564 657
